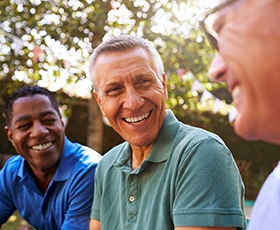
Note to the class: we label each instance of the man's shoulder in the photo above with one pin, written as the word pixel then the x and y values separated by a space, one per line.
pixel 13 161
pixel 196 133
pixel 110 157
pixel 81 153
pixel 195 139
pixel 91 154
pixel 11 166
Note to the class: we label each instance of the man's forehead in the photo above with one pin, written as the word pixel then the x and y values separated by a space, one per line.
pixel 218 2
pixel 214 3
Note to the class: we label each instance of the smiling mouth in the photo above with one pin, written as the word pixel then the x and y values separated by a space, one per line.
pixel 235 92
pixel 138 119
pixel 41 147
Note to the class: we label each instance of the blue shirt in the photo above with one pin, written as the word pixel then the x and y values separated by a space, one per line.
pixel 188 179
pixel 266 211
pixel 67 201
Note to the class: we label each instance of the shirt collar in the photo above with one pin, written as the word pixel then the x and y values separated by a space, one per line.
pixel 161 148
pixel 67 161
pixel 62 173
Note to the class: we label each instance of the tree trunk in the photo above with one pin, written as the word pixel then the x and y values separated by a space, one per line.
pixel 95 129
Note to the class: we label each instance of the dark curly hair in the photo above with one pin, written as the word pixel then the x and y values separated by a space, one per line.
pixel 26 91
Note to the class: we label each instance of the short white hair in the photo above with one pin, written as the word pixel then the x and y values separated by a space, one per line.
pixel 122 43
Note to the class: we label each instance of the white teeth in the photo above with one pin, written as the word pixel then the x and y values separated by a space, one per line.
pixel 137 119
pixel 42 146
pixel 235 92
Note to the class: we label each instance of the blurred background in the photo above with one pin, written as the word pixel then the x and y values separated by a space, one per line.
pixel 49 43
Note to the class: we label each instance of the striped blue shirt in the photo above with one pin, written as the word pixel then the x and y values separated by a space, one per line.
pixel 266 211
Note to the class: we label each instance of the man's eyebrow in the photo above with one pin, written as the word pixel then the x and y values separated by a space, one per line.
pixel 112 85
pixel 26 117
pixel 48 112
pixel 144 76
pixel 141 75
pixel 23 118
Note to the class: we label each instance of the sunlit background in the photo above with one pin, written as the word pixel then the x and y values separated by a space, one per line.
pixel 50 42
pixel 41 47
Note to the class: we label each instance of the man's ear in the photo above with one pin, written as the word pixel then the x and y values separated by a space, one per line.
pixel 63 122
pixel 164 85
pixel 9 134
pixel 95 94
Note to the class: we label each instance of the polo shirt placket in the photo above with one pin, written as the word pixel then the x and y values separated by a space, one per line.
pixel 132 199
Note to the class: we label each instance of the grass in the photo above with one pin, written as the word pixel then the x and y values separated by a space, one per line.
pixel 14 222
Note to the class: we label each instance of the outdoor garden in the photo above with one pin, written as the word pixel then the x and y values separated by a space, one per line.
pixel 49 43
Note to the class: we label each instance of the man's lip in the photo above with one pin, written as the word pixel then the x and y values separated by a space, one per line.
pixel 231 85
pixel 139 118
pixel 235 92
pixel 42 146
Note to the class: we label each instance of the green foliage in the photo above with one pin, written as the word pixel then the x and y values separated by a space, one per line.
pixel 181 98
pixel 49 42
pixel 14 222
pixel 39 39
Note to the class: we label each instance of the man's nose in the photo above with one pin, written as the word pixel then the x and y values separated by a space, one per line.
pixel 217 69
pixel 133 99
pixel 38 129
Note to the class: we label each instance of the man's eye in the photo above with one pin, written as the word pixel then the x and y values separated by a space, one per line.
pixel 144 82
pixel 114 91
pixel 49 121
pixel 24 126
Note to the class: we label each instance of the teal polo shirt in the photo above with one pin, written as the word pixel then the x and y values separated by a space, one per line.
pixel 189 179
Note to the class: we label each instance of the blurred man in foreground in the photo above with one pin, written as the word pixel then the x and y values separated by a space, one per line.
pixel 247 37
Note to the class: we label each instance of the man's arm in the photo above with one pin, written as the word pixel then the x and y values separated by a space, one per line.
pixel 81 196
pixel 94 224
pixel 210 178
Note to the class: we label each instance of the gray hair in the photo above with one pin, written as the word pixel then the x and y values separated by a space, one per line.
pixel 123 43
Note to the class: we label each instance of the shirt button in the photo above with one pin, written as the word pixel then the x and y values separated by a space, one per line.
pixel 131 198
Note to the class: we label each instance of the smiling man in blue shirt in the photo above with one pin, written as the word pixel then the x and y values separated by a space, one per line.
pixel 50 182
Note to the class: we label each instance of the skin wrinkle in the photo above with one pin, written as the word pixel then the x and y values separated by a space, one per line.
pixel 121 95
pixel 29 127
pixel 248 60
pixel 132 98
pixel 246 36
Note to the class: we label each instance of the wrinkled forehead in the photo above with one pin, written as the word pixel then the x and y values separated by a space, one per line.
pixel 217 3
pixel 223 7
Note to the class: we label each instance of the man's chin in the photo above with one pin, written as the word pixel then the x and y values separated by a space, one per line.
pixel 244 130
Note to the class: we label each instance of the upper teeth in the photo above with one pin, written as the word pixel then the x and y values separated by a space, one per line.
pixel 137 119
pixel 235 92
pixel 41 146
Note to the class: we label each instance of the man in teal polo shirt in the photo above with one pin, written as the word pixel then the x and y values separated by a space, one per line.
pixel 167 175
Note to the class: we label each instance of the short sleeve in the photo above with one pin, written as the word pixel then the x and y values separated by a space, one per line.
pixel 81 196
pixel 7 206
pixel 95 209
pixel 209 189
